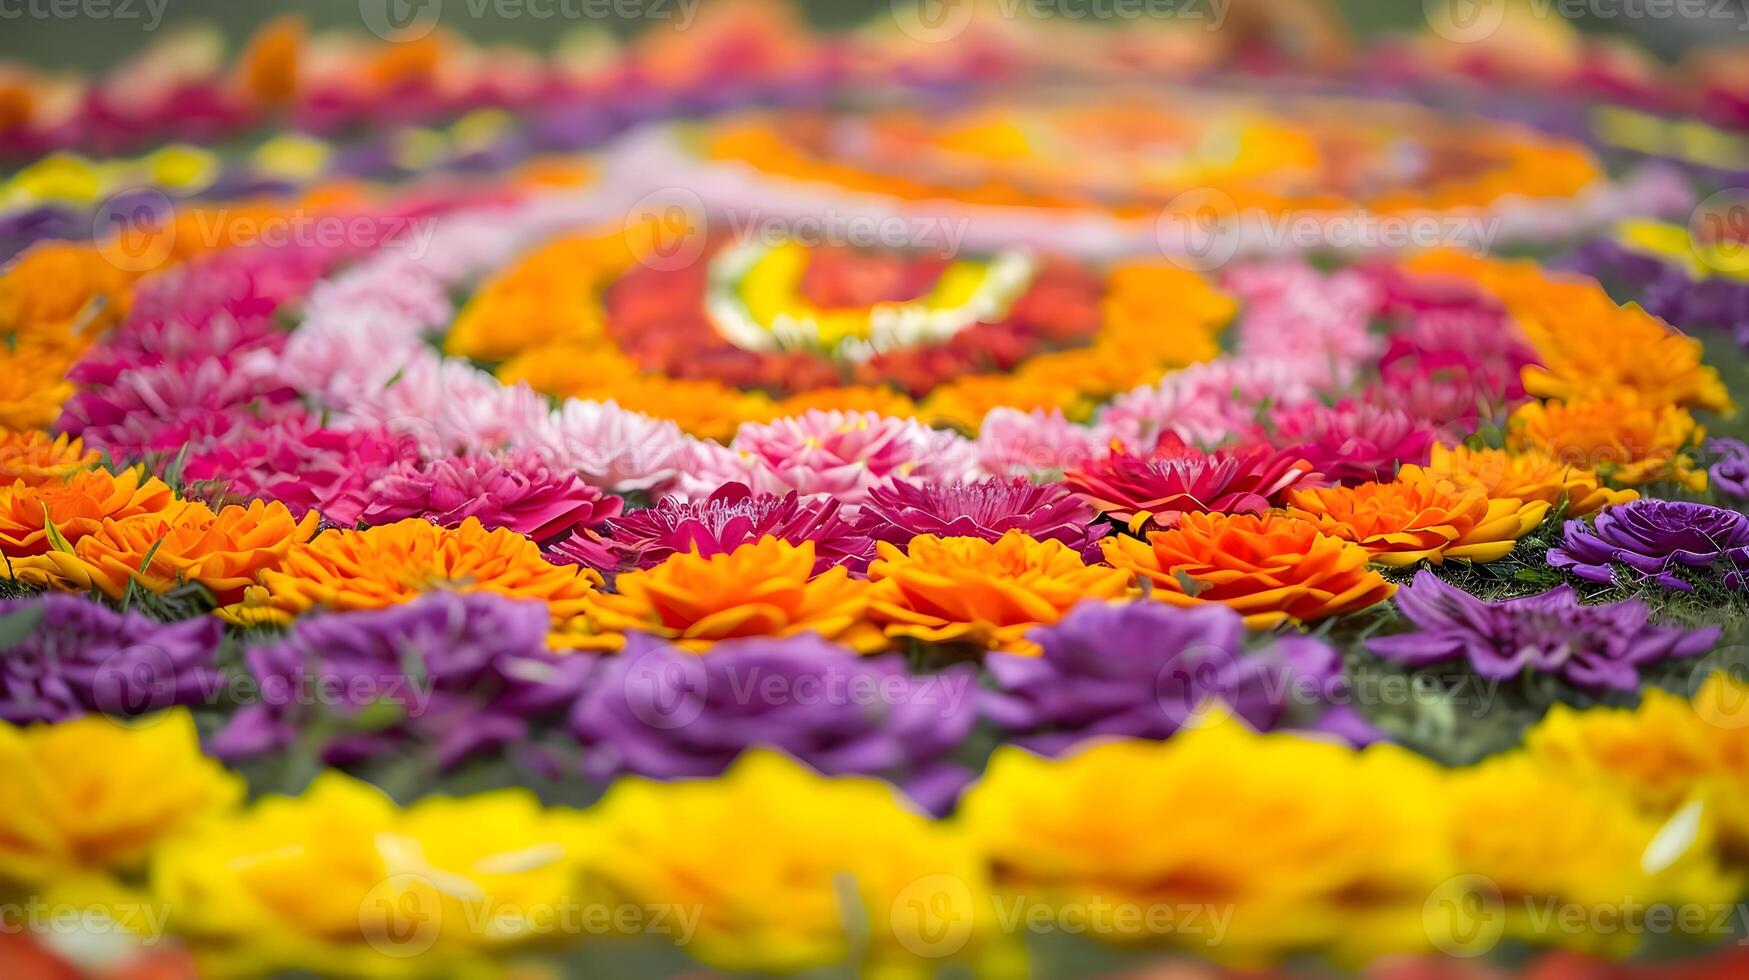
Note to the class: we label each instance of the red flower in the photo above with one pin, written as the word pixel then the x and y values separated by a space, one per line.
pixel 1180 479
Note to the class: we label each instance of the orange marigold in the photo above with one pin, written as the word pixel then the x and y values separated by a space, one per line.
pixel 1626 438
pixel 1529 474
pixel 224 551
pixel 394 563
pixel 1271 568
pixel 1417 517
pixel 61 294
pixel 987 593
pixel 33 384
pixel 36 458
pixel 763 588
pixel 76 506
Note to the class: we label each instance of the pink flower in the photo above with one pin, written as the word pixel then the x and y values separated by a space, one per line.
pixel 610 447
pixel 450 407
pixel 838 454
pixel 1015 443
pixel 1154 491
pixel 304 467
pixel 1355 441
pixel 986 509
pixel 165 407
pixel 516 490
pixel 1205 403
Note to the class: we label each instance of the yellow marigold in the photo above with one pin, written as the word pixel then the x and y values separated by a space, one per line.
pixel 1586 342
pixel 340 881
pixel 1529 834
pixel 33 384
pixel 394 563
pixel 76 507
pixel 964 402
pixel 225 551
pixel 1625 438
pixel 61 294
pixel 97 794
pixel 769 854
pixel 1529 474
pixel 1666 753
pixel 35 458
pixel 763 588
pixel 989 594
pixel 1272 568
pixel 851 398
pixel 1302 842
pixel 1417 517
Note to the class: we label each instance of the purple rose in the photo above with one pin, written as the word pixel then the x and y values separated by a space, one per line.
pixel 1593 647
pixel 1730 475
pixel 1654 538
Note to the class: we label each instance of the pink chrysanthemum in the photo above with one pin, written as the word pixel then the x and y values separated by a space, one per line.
pixel 516 490
pixel 1205 403
pixel 731 516
pixel 163 408
pixel 1016 443
pixel 838 454
pixel 610 447
pixel 303 466
pixel 986 509
pixel 451 407
pixel 1177 479
pixel 1354 441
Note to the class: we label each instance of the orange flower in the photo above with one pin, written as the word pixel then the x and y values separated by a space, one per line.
pixel 76 507
pixel 1530 474
pixel 61 294
pixel 1272 568
pixel 1626 438
pixel 395 563
pixel 852 398
pixel 1416 516
pixel 224 551
pixel 991 594
pixel 763 588
pixel 35 458
pixel 33 384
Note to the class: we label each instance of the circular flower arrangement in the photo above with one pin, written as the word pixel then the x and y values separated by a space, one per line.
pixel 416 577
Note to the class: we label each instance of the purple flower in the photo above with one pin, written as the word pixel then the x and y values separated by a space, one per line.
pixel 659 711
pixel 1593 647
pixel 729 518
pixel 1730 475
pixel 464 672
pixel 1654 538
pixel 987 509
pixel 78 657
pixel 1143 669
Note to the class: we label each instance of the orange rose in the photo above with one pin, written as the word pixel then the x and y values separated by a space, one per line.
pixel 1627 438
pixel 763 588
pixel 224 551
pixel 990 594
pixel 1272 568
pixel 1415 517
pixel 36 458
pixel 76 507
pixel 1529 474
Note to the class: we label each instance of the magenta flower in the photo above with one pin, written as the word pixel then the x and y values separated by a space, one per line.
pixel 840 454
pixel 162 408
pixel 986 509
pixel 1155 490
pixel 303 466
pixel 516 490
pixel 727 519
pixel 1354 441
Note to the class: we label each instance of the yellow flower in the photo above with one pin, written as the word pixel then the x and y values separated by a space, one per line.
pixel 1624 437
pixel 1533 834
pixel 338 880
pixel 394 563
pixel 1271 568
pixel 964 402
pixel 763 588
pixel 77 506
pixel 775 860
pixel 35 458
pixel 97 794
pixel 1529 475
pixel 1665 753
pixel 61 294
pixel 225 551
pixel 988 594
pixel 1417 517
pixel 1307 843
pixel 33 384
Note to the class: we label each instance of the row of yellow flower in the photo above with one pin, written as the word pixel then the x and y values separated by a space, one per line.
pixel 1291 844
pixel 67 526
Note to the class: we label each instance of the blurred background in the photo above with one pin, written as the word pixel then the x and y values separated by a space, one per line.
pixel 39 32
